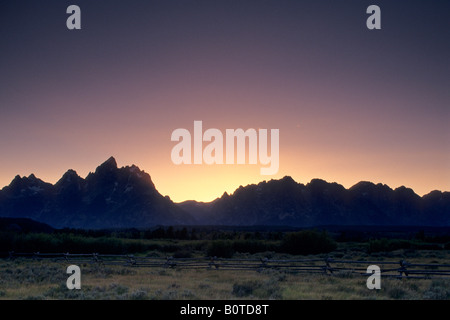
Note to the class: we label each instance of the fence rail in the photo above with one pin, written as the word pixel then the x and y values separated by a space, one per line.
pixel 329 266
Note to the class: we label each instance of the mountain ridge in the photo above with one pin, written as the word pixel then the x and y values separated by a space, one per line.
pixel 110 197
pixel 113 197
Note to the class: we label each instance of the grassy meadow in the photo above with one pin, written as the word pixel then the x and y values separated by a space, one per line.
pixel 45 279
pixel 26 278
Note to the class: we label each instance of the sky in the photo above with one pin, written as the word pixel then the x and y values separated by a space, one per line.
pixel 351 104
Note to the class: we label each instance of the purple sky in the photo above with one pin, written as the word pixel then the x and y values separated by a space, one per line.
pixel 351 104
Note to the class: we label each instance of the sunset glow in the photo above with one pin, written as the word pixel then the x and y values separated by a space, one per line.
pixel 351 104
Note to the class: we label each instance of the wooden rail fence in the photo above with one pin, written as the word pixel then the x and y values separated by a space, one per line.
pixel 397 269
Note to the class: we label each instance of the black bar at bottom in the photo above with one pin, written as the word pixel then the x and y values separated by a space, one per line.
pixel 221 309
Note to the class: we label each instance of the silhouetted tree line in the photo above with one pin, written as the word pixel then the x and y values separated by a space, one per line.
pixel 176 233
pixel 302 242
pixel 185 241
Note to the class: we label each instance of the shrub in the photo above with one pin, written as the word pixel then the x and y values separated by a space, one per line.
pixel 254 246
pixel 438 290
pixel 384 245
pixel 138 295
pixel 183 253
pixel 268 289
pixel 220 248
pixel 396 293
pixel 118 288
pixel 307 242
pixel 244 289
pixel 170 248
pixel 437 293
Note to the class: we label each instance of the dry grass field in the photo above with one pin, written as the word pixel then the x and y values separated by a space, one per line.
pixel 46 279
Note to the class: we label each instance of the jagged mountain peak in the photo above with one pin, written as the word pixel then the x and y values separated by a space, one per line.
pixel 71 176
pixel 318 181
pixel 109 177
pixel 111 197
pixel 133 169
pixel 22 187
pixel 435 194
pixel 111 160
pixel 288 179
pixel 137 176
pixel 19 178
pixel 366 188
pixel 362 185
pixel 406 193
pixel 319 185
pixel 31 180
pixel 404 189
pixel 108 165
pixel 16 180
pixel 16 184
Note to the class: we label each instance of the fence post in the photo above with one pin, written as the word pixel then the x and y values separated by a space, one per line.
pixel 131 259
pixel 402 269
pixel 169 263
pixel 95 257
pixel 263 264
pixel 328 266
pixel 213 263
pixel 11 255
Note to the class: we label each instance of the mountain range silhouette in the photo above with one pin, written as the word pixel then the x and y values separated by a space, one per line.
pixel 126 197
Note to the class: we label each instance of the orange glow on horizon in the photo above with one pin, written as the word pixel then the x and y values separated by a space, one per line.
pixel 208 182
